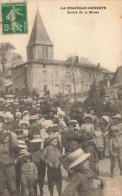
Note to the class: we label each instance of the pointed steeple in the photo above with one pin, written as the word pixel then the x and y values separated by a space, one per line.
pixel 39 34
pixel 39 45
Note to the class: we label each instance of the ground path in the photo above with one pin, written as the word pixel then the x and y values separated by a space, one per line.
pixel 113 185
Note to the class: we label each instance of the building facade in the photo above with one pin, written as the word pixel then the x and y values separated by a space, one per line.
pixel 42 70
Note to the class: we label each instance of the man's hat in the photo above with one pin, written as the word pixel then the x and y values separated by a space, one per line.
pixel 26 154
pixel 117 116
pixel 36 139
pixel 21 144
pixel 23 151
pixel 26 112
pixel 77 157
pixel 106 118
pixel 34 117
pixel 114 128
pixel 51 137
pixel 72 122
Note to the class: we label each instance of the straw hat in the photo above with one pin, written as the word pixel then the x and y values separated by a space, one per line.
pixel 106 118
pixel 34 117
pixel 21 144
pixel 77 157
pixel 117 116
pixel 36 139
pixel 72 122
pixel 26 112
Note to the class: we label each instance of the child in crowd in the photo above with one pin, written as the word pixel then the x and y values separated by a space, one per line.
pixel 117 121
pixel 29 174
pixel 74 144
pixel 99 140
pixel 72 131
pixel 87 127
pixel 22 149
pixel 115 149
pixel 84 181
pixel 54 128
pixel 18 117
pixel 36 146
pixel 88 147
pixel 52 156
pixel 24 124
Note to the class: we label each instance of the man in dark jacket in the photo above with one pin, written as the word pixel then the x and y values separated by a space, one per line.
pixel 8 143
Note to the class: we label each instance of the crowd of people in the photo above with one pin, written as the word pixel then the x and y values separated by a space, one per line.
pixel 39 139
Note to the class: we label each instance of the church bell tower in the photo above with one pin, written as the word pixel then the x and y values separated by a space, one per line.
pixel 39 45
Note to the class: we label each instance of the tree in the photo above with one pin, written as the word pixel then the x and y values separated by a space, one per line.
pixel 94 100
pixel 8 58
pixel 16 59
pixel 74 76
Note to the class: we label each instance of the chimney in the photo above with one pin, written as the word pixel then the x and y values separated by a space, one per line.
pixel 77 59
pixel 73 59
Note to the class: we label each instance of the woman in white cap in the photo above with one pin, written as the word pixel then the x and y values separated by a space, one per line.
pixel 84 181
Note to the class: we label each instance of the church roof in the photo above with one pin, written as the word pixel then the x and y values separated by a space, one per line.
pixel 39 34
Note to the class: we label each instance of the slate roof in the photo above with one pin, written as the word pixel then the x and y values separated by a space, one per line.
pixel 39 34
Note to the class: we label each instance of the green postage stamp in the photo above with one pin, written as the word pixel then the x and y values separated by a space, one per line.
pixel 14 18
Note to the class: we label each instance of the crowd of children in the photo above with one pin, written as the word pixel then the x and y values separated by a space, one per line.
pixel 33 145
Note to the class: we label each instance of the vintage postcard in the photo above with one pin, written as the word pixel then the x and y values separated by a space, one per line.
pixel 61 97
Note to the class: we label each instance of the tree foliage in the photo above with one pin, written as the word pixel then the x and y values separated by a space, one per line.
pixel 8 58
pixel 94 100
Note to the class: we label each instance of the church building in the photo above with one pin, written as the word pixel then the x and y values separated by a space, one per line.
pixel 42 70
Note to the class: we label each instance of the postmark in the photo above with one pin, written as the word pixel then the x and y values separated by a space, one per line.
pixel 14 18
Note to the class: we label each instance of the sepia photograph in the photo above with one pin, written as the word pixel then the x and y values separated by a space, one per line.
pixel 60 98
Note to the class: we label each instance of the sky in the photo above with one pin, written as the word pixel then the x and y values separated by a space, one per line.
pixel 97 37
